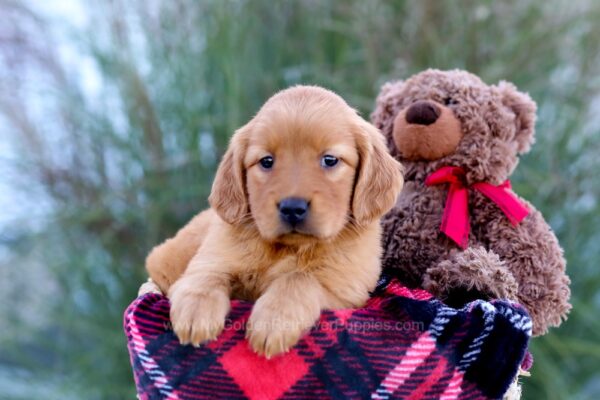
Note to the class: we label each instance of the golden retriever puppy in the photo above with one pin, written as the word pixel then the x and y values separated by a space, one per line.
pixel 293 224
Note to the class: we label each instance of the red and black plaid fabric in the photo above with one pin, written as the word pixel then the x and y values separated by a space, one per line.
pixel 403 344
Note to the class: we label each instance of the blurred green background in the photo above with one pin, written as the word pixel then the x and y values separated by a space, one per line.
pixel 114 114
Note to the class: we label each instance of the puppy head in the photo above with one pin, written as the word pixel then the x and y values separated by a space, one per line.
pixel 304 168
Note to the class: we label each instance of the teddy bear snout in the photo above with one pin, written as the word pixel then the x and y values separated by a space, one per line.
pixel 422 112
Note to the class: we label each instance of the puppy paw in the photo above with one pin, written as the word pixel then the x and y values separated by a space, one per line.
pixel 267 340
pixel 273 330
pixel 198 317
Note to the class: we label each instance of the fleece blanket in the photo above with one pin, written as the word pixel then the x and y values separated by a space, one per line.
pixel 403 344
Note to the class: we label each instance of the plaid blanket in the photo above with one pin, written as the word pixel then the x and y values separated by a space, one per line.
pixel 402 344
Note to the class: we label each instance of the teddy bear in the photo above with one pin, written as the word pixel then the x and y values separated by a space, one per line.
pixel 458 230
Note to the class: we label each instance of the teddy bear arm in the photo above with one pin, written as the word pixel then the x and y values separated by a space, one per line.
pixel 534 257
pixel 474 273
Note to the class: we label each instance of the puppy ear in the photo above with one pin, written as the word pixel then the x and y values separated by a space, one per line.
pixel 524 109
pixel 379 177
pixel 228 195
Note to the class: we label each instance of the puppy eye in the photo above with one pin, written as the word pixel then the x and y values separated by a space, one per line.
pixel 449 101
pixel 266 162
pixel 329 161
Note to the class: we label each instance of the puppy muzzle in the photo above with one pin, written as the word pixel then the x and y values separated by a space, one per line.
pixel 293 210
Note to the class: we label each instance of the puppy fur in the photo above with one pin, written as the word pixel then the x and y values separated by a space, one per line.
pixel 241 248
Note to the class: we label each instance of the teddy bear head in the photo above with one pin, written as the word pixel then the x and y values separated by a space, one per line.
pixel 452 118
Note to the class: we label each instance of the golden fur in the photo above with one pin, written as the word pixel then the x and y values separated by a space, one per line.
pixel 241 249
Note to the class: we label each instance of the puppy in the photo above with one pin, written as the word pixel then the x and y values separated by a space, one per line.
pixel 293 224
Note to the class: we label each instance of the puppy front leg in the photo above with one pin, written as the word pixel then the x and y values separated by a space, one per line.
pixel 167 261
pixel 200 301
pixel 289 307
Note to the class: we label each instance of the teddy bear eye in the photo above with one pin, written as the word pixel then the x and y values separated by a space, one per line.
pixel 449 101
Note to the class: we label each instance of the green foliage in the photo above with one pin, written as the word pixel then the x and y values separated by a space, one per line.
pixel 101 175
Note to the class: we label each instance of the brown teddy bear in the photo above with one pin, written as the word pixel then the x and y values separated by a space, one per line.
pixel 457 229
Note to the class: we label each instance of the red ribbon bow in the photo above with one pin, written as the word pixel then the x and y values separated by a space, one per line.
pixel 455 222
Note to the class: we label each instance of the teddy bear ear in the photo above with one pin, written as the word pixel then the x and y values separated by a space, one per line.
pixel 384 110
pixel 391 88
pixel 524 108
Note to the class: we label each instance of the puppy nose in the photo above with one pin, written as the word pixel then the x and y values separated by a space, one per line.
pixel 293 210
pixel 423 113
